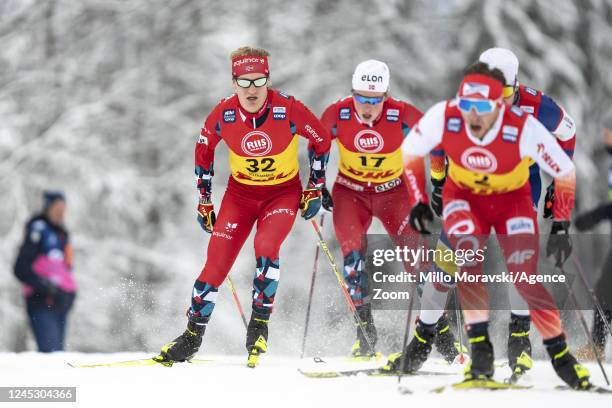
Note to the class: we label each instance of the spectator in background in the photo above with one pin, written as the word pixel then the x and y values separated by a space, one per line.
pixel 586 221
pixel 44 266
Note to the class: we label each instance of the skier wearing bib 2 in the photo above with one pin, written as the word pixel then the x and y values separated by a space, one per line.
pixel 260 126
pixel 561 125
pixel 369 128
pixel 490 147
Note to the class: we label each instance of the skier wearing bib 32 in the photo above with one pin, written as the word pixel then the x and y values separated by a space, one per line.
pixel 561 125
pixel 369 128
pixel 489 147
pixel 260 126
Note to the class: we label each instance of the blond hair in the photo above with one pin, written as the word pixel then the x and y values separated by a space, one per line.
pixel 242 51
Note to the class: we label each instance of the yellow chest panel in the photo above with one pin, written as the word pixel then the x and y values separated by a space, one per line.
pixel 370 167
pixel 266 170
pixel 485 183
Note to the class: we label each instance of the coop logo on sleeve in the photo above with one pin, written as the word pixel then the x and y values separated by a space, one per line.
pixel 478 159
pixel 392 115
pixel 345 114
pixel 256 143
pixel 510 134
pixel 229 115
pixel 279 112
pixel 369 141
pixel 453 125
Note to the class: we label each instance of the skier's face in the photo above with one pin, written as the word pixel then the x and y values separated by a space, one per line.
pixel 56 212
pixel 253 97
pixel 479 125
pixel 368 105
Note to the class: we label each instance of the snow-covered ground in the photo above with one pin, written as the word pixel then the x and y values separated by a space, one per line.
pixel 275 383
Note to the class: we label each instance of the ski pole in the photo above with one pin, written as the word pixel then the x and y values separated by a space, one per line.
pixel 584 325
pixel 591 291
pixel 237 301
pixel 406 333
pixel 459 323
pixel 312 283
pixel 349 301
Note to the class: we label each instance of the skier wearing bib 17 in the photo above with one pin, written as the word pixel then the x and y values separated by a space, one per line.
pixel 260 126
pixel 369 127
pixel 489 148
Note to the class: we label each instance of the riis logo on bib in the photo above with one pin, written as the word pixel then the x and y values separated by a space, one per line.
pixel 369 141
pixel 256 143
pixel 479 159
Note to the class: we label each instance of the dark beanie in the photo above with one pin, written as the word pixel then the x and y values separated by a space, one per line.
pixel 49 197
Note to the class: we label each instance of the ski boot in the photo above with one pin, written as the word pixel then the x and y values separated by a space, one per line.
pixel 519 346
pixel 257 338
pixel 446 344
pixel 184 347
pixel 416 352
pixel 481 367
pixel 565 364
pixel 361 350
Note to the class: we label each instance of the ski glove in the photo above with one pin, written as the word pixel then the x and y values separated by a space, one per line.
pixel 310 203
pixel 549 200
pixel 326 200
pixel 419 214
pixel 206 216
pixel 559 242
pixel 436 196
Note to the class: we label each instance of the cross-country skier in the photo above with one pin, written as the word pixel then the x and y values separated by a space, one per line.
pixel 562 126
pixel 369 127
pixel 260 126
pixel 490 147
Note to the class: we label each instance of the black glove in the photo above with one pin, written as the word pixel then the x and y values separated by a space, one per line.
pixel 436 196
pixel 559 242
pixel 327 203
pixel 418 215
pixel 549 200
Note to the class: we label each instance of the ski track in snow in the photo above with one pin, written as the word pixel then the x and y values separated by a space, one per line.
pixel 275 383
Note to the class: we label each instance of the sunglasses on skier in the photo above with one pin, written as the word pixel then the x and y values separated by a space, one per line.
pixel 246 83
pixel 480 106
pixel 370 100
pixel 508 90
